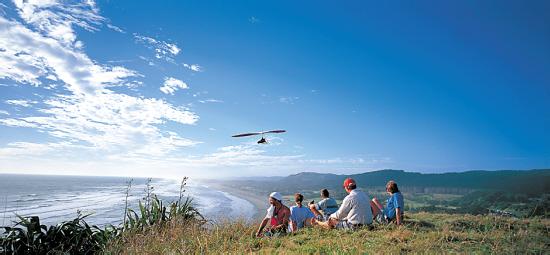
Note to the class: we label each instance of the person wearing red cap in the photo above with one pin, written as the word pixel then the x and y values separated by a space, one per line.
pixel 354 212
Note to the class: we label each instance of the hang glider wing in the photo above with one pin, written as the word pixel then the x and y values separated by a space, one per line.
pixel 260 133
pixel 247 134
pixel 273 131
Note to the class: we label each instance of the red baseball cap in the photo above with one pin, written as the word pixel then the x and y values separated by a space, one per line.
pixel 348 182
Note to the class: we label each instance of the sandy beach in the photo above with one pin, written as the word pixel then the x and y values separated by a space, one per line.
pixel 256 198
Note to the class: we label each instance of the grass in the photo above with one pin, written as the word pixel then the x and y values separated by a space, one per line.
pixel 422 233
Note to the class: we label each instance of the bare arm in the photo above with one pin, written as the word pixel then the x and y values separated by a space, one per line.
pixel 262 226
pixel 314 210
pixel 293 226
pixel 398 215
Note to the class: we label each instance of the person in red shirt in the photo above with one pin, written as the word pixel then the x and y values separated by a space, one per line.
pixel 277 215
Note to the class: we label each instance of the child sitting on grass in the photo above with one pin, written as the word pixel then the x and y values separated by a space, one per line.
pixel 394 206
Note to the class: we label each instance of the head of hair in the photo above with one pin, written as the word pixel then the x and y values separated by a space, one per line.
pixel 298 198
pixel 324 192
pixel 392 187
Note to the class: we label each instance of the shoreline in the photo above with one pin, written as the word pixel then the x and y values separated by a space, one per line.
pixel 258 201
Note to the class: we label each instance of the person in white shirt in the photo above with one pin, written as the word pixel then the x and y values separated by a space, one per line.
pixel 354 212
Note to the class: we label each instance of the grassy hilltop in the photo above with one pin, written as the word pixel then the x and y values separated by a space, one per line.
pixel 422 233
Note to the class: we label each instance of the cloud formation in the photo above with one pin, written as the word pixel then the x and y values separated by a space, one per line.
pixel 89 114
pixel 193 67
pixel 24 103
pixel 163 50
pixel 172 85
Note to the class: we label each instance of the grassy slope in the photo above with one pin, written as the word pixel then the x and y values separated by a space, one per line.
pixel 423 232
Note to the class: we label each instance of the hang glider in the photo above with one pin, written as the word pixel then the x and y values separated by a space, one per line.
pixel 262 133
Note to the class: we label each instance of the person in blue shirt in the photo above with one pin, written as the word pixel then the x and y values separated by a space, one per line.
pixel 394 205
pixel 300 216
pixel 327 205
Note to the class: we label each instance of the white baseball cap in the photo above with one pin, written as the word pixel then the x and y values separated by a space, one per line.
pixel 276 195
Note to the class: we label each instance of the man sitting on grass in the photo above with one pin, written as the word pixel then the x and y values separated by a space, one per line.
pixel 277 214
pixel 300 216
pixel 394 206
pixel 328 205
pixel 354 212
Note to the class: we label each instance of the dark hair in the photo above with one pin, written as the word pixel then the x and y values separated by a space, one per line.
pixel 352 186
pixel 324 192
pixel 392 187
pixel 298 198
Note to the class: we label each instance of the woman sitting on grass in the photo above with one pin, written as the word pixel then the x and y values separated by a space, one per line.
pixel 277 215
pixel 394 206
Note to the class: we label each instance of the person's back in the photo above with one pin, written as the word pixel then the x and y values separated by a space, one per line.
pixel 299 215
pixel 354 212
pixel 360 211
pixel 394 201
pixel 395 205
pixel 328 206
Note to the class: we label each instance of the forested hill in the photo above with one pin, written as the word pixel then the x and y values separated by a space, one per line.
pixel 524 181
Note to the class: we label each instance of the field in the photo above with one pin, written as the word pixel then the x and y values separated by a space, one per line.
pixel 422 233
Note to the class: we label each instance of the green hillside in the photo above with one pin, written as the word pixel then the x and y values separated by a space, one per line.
pixel 519 193
pixel 531 181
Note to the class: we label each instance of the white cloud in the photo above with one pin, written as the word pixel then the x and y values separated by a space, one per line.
pixel 163 50
pixel 24 103
pixel 288 100
pixel 17 123
pixel 27 55
pixel 56 18
pixel 108 121
pixel 30 149
pixel 172 85
pixel 89 113
pixel 211 100
pixel 253 20
pixel 4 112
pixel 115 28
pixel 193 67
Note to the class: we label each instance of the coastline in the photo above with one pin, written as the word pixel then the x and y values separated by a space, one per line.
pixel 257 200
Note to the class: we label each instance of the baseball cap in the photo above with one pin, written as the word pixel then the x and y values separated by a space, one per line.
pixel 276 195
pixel 348 182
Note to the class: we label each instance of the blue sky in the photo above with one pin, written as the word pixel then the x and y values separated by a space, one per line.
pixel 157 89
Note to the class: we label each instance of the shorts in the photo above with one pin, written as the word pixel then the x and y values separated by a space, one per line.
pixel 345 225
pixel 380 218
pixel 322 217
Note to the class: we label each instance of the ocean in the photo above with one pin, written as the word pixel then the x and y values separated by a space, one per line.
pixel 58 198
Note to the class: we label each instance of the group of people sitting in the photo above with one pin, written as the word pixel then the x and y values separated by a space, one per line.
pixel 356 210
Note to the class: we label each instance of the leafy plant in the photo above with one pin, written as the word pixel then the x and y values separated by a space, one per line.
pixel 73 237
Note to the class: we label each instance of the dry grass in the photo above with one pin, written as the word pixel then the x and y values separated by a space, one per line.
pixel 422 233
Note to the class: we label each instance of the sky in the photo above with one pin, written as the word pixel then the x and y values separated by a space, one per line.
pixel 141 88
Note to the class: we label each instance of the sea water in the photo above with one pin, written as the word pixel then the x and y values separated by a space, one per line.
pixel 58 198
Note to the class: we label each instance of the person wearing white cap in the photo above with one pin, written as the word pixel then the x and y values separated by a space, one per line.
pixel 277 214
